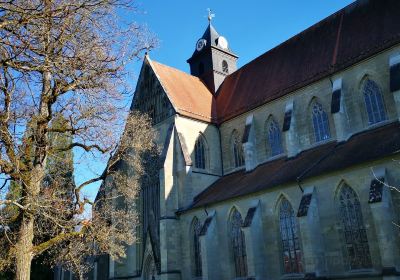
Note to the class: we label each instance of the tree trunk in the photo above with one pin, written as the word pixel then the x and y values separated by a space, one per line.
pixel 24 250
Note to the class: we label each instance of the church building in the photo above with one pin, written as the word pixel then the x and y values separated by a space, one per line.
pixel 279 169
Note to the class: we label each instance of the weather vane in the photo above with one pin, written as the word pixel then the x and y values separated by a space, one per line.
pixel 210 15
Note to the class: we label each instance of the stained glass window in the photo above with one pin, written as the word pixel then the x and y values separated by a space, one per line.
pixel 320 123
pixel 237 150
pixel 274 138
pixel 238 244
pixel 291 252
pixel 199 152
pixel 355 234
pixel 374 102
pixel 196 228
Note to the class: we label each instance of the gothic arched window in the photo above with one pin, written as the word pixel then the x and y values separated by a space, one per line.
pixel 238 244
pixel 274 138
pixel 374 102
pixel 196 249
pixel 200 153
pixel 320 123
pixel 225 67
pixel 291 252
pixel 237 150
pixel 150 269
pixel 355 234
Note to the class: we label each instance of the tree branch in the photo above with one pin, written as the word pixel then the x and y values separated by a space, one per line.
pixel 87 148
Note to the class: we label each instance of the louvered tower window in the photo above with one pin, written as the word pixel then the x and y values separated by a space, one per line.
pixel 201 68
pixel 320 123
pixel 196 249
pixel 225 67
pixel 200 153
pixel 355 234
pixel 291 252
pixel 274 138
pixel 238 244
pixel 374 102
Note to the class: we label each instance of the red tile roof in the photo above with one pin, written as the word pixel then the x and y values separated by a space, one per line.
pixel 352 34
pixel 320 160
pixel 188 94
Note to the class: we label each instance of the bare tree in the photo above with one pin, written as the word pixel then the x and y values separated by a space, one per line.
pixel 66 57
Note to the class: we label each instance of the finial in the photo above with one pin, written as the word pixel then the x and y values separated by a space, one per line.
pixel 210 15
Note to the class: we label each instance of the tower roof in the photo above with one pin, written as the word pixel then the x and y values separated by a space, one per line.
pixel 213 39
pixel 211 35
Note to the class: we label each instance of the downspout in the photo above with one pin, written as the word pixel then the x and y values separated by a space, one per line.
pixel 300 177
pixel 205 210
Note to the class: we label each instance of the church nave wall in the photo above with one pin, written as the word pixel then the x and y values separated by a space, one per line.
pixel 321 235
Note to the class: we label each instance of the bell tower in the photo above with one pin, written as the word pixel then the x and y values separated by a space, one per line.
pixel 212 59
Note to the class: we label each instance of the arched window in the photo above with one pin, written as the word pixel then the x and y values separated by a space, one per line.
pixel 237 150
pixel 274 138
pixel 201 68
pixel 320 123
pixel 200 153
pixel 238 244
pixel 374 102
pixel 225 67
pixel 355 235
pixel 150 270
pixel 291 252
pixel 196 251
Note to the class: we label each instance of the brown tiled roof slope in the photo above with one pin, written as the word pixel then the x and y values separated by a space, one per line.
pixel 363 147
pixel 352 34
pixel 187 93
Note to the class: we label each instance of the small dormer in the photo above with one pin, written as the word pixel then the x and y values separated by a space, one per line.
pixel 212 59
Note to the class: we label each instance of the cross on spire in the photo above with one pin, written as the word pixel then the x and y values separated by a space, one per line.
pixel 210 15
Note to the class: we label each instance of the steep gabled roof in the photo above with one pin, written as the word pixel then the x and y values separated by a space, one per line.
pixel 354 33
pixel 188 94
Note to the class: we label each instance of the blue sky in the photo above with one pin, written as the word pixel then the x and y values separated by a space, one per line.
pixel 251 27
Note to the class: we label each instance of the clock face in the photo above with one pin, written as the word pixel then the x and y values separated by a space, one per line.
pixel 222 42
pixel 200 44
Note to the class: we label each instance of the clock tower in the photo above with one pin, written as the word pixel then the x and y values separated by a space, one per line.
pixel 212 59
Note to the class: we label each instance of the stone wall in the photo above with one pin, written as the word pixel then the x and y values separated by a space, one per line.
pixel 332 261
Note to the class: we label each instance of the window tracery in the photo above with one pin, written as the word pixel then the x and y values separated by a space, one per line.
pixel 196 255
pixel 200 153
pixel 355 234
pixel 374 102
pixel 238 244
pixel 237 150
pixel 274 138
pixel 291 251
pixel 320 123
